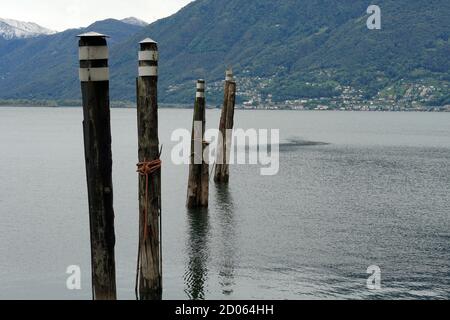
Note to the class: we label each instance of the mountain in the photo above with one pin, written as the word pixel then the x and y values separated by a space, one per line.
pixel 135 21
pixel 279 49
pixel 294 49
pixel 13 29
pixel 46 68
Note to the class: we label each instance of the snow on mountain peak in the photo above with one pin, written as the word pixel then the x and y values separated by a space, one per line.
pixel 13 29
pixel 135 21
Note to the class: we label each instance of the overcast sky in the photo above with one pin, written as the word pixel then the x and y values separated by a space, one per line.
pixel 63 14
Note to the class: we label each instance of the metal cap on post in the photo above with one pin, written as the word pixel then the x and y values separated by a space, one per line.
pixel 148 58
pixel 93 56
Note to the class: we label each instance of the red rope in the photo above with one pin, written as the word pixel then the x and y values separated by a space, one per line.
pixel 147 168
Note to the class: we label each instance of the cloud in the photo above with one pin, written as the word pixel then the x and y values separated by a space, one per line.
pixel 63 14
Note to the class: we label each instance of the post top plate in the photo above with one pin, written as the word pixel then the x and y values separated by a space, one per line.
pixel 92 34
pixel 147 40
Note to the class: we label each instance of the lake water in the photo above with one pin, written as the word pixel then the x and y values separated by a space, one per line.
pixel 374 191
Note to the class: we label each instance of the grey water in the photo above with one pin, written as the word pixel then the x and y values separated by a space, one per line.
pixel 354 190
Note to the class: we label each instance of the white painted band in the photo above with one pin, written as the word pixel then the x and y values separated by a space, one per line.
pixel 94 74
pixel 93 53
pixel 200 85
pixel 200 95
pixel 229 78
pixel 148 55
pixel 149 71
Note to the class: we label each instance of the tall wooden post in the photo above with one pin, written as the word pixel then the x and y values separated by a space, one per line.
pixel 94 78
pixel 222 173
pixel 198 186
pixel 149 273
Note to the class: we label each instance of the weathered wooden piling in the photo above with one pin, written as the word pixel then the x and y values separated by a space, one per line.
pixel 94 78
pixel 149 269
pixel 222 173
pixel 198 186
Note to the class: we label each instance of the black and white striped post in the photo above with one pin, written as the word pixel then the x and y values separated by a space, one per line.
pixel 221 174
pixel 94 78
pixel 229 75
pixel 149 269
pixel 198 185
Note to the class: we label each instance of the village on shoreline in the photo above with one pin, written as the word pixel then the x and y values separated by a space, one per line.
pixel 269 107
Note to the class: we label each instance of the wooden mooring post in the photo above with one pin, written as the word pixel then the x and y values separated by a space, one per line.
pixel 149 265
pixel 222 170
pixel 198 185
pixel 94 78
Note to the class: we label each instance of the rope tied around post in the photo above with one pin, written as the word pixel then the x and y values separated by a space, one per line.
pixel 147 168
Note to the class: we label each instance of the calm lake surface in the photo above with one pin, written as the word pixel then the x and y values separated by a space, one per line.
pixel 374 191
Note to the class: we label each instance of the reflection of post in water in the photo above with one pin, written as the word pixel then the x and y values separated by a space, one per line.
pixel 196 273
pixel 225 209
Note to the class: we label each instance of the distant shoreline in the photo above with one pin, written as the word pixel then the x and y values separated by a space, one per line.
pixel 188 107
pixel 117 104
